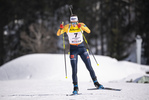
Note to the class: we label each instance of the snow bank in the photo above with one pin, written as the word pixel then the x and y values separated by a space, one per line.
pixel 51 67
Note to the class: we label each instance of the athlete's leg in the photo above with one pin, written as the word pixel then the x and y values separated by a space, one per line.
pixel 74 59
pixel 85 57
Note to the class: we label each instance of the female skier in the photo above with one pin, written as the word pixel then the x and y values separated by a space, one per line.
pixel 77 47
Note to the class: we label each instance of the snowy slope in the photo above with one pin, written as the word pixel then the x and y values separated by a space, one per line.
pixel 51 66
pixel 42 77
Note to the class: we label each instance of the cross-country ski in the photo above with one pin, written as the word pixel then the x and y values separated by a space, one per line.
pixel 105 88
pixel 74 94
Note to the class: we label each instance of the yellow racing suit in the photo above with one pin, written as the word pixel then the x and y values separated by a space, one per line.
pixel 77 47
pixel 74 33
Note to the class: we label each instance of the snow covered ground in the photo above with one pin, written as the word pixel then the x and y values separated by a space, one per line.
pixel 42 77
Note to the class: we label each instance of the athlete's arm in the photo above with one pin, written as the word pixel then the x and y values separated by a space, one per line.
pixel 85 28
pixel 61 31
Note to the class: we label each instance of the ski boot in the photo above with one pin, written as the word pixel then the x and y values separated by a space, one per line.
pixel 75 90
pixel 97 85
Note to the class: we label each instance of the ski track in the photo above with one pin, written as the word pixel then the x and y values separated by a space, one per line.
pixel 57 90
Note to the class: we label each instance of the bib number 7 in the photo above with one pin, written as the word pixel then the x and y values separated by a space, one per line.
pixel 75 34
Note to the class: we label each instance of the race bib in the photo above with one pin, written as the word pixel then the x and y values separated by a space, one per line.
pixel 75 38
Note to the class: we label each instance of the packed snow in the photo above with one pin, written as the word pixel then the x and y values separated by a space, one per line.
pixel 42 77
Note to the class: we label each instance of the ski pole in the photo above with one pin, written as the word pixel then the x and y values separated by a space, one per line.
pixel 64 54
pixel 89 47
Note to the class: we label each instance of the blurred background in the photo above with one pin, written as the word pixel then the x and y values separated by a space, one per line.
pixel 30 26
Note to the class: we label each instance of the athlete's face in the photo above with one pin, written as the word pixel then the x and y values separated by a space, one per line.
pixel 74 24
